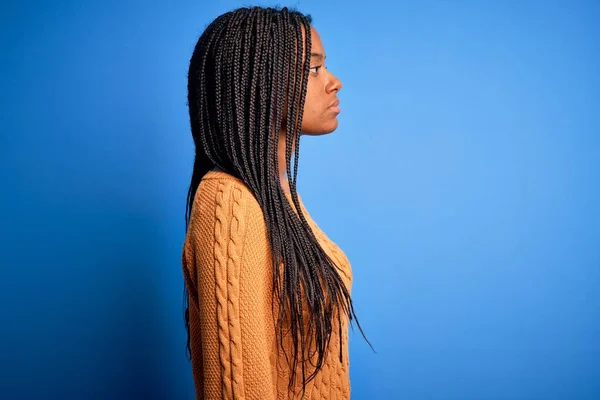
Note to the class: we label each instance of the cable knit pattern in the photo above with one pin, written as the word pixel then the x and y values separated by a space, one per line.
pixel 220 250
pixel 226 263
pixel 233 288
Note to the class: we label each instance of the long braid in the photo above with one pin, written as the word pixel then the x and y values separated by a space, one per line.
pixel 246 144
pixel 291 282
pixel 275 212
pixel 246 82
pixel 258 78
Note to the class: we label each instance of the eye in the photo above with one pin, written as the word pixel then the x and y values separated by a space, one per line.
pixel 316 69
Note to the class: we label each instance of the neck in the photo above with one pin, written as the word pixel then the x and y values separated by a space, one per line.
pixel 285 184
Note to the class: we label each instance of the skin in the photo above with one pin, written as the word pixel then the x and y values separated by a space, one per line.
pixel 321 92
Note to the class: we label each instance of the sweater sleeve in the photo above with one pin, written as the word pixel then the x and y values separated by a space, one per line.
pixel 228 267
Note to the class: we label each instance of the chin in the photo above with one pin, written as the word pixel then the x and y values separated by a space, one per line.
pixel 321 130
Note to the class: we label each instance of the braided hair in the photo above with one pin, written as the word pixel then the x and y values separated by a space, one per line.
pixel 247 81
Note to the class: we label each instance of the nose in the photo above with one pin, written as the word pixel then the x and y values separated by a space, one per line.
pixel 334 84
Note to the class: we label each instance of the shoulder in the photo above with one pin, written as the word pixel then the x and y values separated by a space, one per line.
pixel 227 233
pixel 221 195
pixel 225 213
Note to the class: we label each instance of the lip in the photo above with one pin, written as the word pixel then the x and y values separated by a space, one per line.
pixel 335 107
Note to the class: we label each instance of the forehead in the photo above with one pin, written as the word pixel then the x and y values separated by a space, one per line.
pixel 316 43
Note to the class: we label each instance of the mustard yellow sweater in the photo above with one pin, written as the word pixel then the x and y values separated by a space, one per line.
pixel 227 268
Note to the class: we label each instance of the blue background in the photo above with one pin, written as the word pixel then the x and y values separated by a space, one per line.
pixel 462 183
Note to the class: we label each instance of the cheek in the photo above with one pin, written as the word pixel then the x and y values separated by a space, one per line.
pixel 310 113
pixel 311 102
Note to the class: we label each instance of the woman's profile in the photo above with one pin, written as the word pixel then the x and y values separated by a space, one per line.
pixel 267 293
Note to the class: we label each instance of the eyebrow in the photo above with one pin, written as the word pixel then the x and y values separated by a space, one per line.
pixel 317 55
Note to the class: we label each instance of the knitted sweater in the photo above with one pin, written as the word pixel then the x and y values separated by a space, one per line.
pixel 227 267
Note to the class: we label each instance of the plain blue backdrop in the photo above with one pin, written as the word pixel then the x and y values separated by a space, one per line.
pixel 462 183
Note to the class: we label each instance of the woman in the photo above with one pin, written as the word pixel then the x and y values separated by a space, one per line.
pixel 268 292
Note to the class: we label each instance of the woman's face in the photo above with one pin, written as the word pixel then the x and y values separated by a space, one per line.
pixel 320 107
